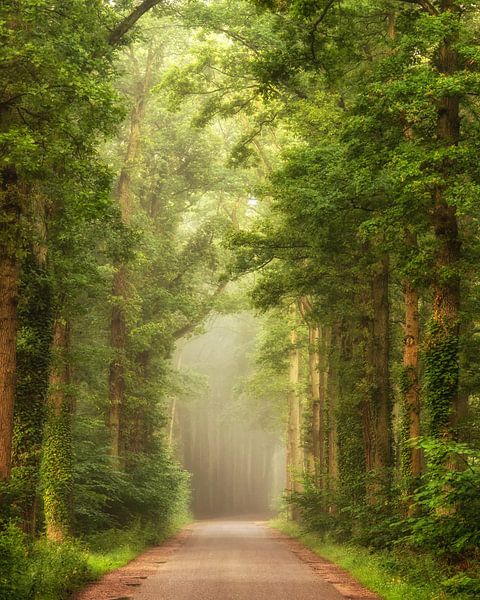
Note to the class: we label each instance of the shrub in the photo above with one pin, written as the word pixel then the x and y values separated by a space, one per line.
pixel 448 501
pixel 39 570
pixel 57 569
pixel 15 580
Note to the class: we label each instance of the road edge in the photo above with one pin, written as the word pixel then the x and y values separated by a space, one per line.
pixel 342 580
pixel 122 581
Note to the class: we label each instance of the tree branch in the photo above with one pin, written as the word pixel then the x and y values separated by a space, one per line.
pixel 129 21
pixel 189 327
pixel 425 4
pixel 316 25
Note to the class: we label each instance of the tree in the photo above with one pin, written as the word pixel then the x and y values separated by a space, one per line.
pixel 57 100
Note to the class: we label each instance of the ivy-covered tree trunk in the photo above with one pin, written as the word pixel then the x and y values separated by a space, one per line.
pixel 33 362
pixel 411 388
pixel 377 406
pixel 9 286
pixel 57 457
pixel 442 343
pixel 346 370
pixel 381 394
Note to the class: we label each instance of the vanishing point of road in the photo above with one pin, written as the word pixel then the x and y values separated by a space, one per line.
pixel 222 560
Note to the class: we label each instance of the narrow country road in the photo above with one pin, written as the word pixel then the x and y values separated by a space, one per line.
pixel 228 560
pixel 235 560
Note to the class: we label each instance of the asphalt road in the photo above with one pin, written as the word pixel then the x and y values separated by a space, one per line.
pixel 234 560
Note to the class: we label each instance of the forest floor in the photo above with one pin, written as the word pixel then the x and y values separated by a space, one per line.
pixel 228 560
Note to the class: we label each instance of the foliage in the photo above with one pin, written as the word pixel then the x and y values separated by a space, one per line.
pixel 447 501
pixel 329 150
pixel 394 575
pixel 441 374
pixel 40 571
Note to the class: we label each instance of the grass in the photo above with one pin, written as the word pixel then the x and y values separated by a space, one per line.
pixel 392 575
pixel 101 563
pixel 115 548
pixel 48 571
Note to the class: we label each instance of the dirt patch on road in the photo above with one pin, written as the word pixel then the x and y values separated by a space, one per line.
pixel 122 583
pixel 344 583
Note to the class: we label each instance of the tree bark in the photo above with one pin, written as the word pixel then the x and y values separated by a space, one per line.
pixel 118 322
pixel 57 459
pixel 315 457
pixel 9 285
pixel 382 399
pixel 442 385
pixel 33 364
pixel 314 450
pixel 295 454
pixel 117 34
pixel 377 426
pixel 139 420
pixel 332 405
pixel 411 382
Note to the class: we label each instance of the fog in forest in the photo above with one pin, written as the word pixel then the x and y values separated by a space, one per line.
pixel 236 467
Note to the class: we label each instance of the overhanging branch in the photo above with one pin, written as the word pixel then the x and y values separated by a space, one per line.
pixel 425 4
pixel 129 21
pixel 189 327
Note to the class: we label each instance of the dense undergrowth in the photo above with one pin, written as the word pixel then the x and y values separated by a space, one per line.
pixel 42 570
pixel 396 574
pixel 423 546
pixel 117 514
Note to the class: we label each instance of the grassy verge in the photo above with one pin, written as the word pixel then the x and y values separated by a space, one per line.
pixel 114 548
pixel 48 571
pixel 393 575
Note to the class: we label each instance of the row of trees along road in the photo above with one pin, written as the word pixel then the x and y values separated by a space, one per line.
pixel 353 127
pixel 366 241
pixel 113 209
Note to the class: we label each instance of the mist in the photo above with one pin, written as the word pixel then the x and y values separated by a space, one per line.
pixel 237 468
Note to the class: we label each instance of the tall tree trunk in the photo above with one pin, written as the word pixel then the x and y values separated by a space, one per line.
pixel 33 362
pixel 332 392
pixel 314 450
pixel 411 383
pixel 346 366
pixel 57 458
pixel 139 419
pixel 118 342
pixel 173 406
pixel 382 398
pixel 9 285
pixel 118 326
pixel 295 453
pixel 315 455
pixel 411 454
pixel 442 345
pixel 377 407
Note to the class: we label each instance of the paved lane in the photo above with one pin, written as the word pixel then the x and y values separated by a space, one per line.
pixel 234 560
